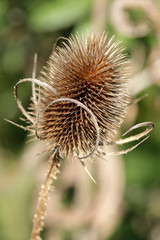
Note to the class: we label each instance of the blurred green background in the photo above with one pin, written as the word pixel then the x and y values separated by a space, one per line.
pixel 28 27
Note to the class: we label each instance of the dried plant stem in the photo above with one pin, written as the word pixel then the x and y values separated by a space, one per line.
pixel 38 221
pixel 34 81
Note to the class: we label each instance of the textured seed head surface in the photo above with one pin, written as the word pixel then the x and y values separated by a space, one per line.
pixel 93 71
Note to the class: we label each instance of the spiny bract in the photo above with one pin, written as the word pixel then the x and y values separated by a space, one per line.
pixel 93 71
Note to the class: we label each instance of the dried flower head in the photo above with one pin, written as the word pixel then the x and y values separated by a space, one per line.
pixel 92 71
pixel 78 104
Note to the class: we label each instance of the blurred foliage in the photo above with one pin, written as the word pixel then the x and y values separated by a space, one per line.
pixel 52 15
pixel 27 27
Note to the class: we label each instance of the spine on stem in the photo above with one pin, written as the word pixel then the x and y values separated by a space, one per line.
pixel 38 221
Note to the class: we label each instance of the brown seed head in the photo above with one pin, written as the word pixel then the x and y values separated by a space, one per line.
pixel 93 71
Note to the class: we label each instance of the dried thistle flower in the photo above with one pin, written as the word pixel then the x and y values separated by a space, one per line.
pixel 79 104
pixel 92 71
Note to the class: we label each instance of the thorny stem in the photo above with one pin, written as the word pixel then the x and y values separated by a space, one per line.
pixel 38 221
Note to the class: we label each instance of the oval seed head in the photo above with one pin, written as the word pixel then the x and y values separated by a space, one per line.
pixel 90 70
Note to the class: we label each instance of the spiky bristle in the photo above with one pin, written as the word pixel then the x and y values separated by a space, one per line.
pixel 92 71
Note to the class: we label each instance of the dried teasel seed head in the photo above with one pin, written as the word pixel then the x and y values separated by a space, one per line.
pixel 93 71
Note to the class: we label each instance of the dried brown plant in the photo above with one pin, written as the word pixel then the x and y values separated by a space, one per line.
pixel 78 105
